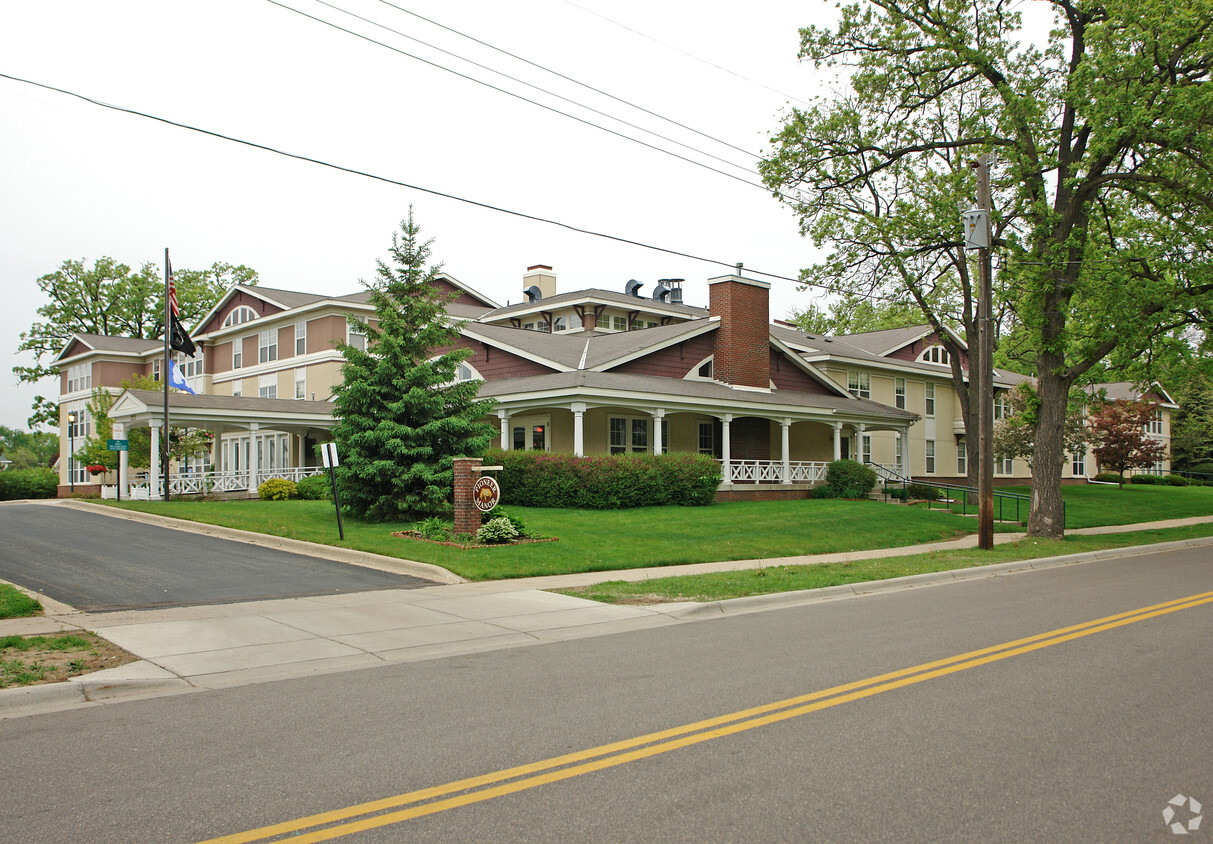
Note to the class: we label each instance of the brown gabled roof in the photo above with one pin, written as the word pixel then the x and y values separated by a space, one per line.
pixel 102 343
pixel 885 341
pixel 607 348
pixel 616 382
pixel 1129 391
pixel 607 297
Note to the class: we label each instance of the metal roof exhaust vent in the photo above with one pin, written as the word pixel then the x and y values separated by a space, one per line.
pixel 533 294
pixel 674 285
pixel 633 288
pixel 661 293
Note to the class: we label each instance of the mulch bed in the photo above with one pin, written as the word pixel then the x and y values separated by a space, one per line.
pixel 412 534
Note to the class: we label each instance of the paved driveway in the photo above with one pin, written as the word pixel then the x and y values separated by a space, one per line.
pixel 95 563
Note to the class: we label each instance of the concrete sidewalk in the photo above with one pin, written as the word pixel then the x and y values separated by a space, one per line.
pixel 194 648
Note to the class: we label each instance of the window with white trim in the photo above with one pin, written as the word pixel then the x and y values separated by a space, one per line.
pixel 237 388
pixel 1006 466
pixel 627 433
pixel 79 377
pixel 239 315
pixel 1078 464
pixel 267 346
pixel 191 367
pixel 865 448
pixel 619 323
pixel 930 457
pixel 1002 406
pixel 934 354
pixel 301 337
pixel 267 386
pixel 962 457
pixel 156 363
pixel 237 353
pixel 300 383
pixel 859 384
pixel 1154 423
pixel 899 393
pixel 355 335
pixel 707 438
pixel 928 401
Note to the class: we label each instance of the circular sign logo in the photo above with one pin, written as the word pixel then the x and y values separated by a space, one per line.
pixel 486 494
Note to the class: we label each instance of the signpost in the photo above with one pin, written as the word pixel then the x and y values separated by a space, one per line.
pixel 328 454
pixel 121 446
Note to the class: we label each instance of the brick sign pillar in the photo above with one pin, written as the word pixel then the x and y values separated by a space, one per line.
pixel 467 472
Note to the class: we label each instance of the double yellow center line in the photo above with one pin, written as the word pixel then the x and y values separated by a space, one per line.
pixel 428 801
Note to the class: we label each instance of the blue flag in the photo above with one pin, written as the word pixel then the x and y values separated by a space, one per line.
pixel 176 379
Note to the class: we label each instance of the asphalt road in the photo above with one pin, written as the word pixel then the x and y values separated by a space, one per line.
pixel 1074 736
pixel 95 562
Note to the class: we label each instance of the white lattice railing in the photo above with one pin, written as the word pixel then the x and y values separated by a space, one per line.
pixel 772 472
pixel 202 483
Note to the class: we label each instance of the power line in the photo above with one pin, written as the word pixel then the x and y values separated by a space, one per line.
pixel 570 79
pixel 518 96
pixel 385 179
pixel 530 85
pixel 684 52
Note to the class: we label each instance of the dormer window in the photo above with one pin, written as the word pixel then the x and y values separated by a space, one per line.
pixel 935 354
pixel 702 372
pixel 240 315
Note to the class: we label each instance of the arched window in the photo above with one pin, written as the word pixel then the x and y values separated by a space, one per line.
pixel 702 371
pixel 240 315
pixel 935 354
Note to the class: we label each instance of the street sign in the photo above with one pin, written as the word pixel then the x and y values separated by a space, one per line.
pixel 117 445
pixel 485 494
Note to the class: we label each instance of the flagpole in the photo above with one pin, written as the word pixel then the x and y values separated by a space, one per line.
pixel 168 327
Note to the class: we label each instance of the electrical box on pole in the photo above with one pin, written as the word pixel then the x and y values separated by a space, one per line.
pixel 977 236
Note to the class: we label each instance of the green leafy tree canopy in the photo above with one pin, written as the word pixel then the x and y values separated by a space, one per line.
pixel 113 300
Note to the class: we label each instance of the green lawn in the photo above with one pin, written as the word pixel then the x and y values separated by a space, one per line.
pixel 16 604
pixel 721 586
pixel 591 540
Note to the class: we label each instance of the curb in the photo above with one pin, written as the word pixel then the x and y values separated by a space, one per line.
pixel 686 610
pixel 379 562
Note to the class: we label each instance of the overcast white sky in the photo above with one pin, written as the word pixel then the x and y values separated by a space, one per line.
pixel 79 181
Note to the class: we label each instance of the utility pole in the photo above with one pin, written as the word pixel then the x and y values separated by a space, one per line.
pixel 985 360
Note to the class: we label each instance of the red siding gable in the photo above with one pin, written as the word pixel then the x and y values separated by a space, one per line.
pixel 239 298
pixel 493 363
pixel 911 351
pixel 673 361
pixel 788 376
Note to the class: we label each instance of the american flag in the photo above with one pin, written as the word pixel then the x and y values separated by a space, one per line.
pixel 172 290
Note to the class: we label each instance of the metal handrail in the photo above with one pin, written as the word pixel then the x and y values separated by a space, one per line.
pixel 1000 497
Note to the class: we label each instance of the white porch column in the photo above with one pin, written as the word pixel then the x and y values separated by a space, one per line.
pixel 302 451
pixel 905 451
pixel 859 429
pixel 153 469
pixel 124 489
pixel 659 447
pixel 505 429
pixel 785 426
pixel 724 447
pixel 837 440
pixel 256 447
pixel 578 409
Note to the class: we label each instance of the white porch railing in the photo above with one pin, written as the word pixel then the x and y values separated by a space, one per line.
pixel 202 483
pixel 772 472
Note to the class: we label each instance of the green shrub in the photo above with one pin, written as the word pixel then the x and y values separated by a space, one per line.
pixel 823 491
pixel 1148 480
pixel 39 482
pixel 276 489
pixel 1203 469
pixel 496 531
pixel 435 528
pixel 850 479
pixel 540 479
pixel 498 513
pixel 924 492
pixel 1107 478
pixel 897 493
pixel 1176 480
pixel 315 488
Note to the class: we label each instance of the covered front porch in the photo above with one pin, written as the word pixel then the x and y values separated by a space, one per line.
pixel 254 440
pixel 759 437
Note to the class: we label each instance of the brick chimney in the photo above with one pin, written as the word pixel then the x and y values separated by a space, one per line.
pixel 742 357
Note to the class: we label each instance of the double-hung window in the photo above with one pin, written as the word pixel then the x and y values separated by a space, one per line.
pixel 962 457
pixel 301 337
pixel 267 346
pixel 899 393
pixel 859 384
pixel 929 400
pixel 930 457
pixel 628 434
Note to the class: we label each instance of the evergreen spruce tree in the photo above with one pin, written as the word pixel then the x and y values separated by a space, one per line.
pixel 403 417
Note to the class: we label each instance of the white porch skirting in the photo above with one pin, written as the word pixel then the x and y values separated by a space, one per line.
pixel 203 483
pixel 793 472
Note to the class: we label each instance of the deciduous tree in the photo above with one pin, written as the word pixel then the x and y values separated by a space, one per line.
pixel 1102 200
pixel 1118 430
pixel 111 299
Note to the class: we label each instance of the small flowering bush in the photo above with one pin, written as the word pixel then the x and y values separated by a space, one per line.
pixel 608 482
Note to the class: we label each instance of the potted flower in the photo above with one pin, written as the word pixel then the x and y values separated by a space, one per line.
pixel 95 469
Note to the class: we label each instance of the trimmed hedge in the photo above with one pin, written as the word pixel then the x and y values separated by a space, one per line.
pixel 1148 480
pixel 276 489
pixel 1107 478
pixel 39 482
pixel 611 482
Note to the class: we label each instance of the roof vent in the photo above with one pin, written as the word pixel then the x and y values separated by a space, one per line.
pixel 661 293
pixel 533 294
pixel 675 287
pixel 633 288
